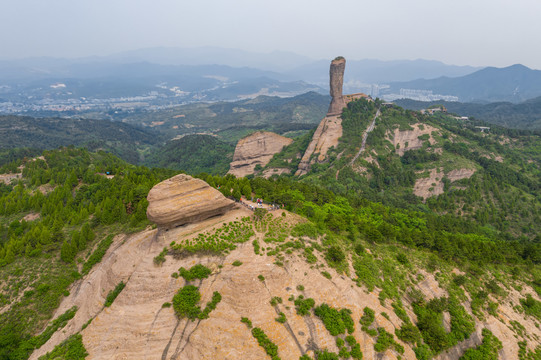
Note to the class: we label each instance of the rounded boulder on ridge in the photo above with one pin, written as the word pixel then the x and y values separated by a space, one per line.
pixel 182 200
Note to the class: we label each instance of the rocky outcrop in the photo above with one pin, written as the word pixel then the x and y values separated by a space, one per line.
pixel 329 130
pixel 182 199
pixel 409 139
pixel 336 80
pixel 327 134
pixel 256 149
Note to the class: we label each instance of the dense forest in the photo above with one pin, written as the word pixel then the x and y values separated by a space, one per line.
pixel 503 193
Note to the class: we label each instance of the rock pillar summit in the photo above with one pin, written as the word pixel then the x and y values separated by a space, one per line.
pixel 336 80
pixel 329 130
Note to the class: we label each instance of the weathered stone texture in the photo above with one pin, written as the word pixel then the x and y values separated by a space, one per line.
pixel 256 149
pixel 336 74
pixel 182 199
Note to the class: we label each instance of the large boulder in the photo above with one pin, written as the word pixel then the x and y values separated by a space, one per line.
pixel 182 199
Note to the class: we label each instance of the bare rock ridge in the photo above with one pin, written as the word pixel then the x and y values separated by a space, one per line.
pixel 336 80
pixel 182 199
pixel 256 149
pixel 329 130
pixel 327 134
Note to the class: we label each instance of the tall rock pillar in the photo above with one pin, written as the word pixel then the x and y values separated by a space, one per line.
pixel 336 74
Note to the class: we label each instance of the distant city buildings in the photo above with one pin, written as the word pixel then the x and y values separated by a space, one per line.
pixel 419 95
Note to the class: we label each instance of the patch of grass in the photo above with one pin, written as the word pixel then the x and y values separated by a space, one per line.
pixel 262 339
pixel 237 263
pixel 98 254
pixel 111 296
pixel 326 274
pixel 70 349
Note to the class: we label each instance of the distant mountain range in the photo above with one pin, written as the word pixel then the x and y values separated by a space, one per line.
pixel 206 74
pixel 525 115
pixel 515 83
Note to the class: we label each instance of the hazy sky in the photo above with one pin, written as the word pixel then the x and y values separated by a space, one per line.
pixel 462 32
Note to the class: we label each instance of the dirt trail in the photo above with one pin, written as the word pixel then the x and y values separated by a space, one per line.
pixel 365 136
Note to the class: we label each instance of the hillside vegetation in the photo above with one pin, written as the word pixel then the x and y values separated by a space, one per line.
pixel 386 252
pixel 436 163
pixel 524 115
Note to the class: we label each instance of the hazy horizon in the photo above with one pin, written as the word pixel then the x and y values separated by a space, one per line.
pixel 480 33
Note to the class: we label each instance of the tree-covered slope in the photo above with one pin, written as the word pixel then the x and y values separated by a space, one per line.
pixel 50 223
pixel 49 133
pixel 429 280
pixel 232 120
pixel 524 115
pixel 438 163
pixel 193 154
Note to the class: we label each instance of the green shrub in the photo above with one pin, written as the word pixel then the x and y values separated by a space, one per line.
pixel 185 302
pixel 70 349
pixel 385 341
pixel 281 318
pixel 335 321
pixel 368 317
pixel 275 300
pixel 111 296
pixel 247 321
pixel 237 263
pixel 211 305
pixel 488 350
pixel 270 348
pixel 261 278
pixel 531 306
pixel 408 333
pixel 160 258
pixel 326 355
pixel 196 272
pixel 335 255
pixel 98 254
pixel 303 305
pixel 326 274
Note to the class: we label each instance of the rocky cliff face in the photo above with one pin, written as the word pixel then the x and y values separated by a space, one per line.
pixel 336 80
pixel 326 135
pixel 256 149
pixel 329 130
pixel 183 199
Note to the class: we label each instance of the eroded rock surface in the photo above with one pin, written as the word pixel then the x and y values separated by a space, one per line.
pixel 138 326
pixel 336 80
pixel 409 139
pixel 182 199
pixel 327 134
pixel 256 149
